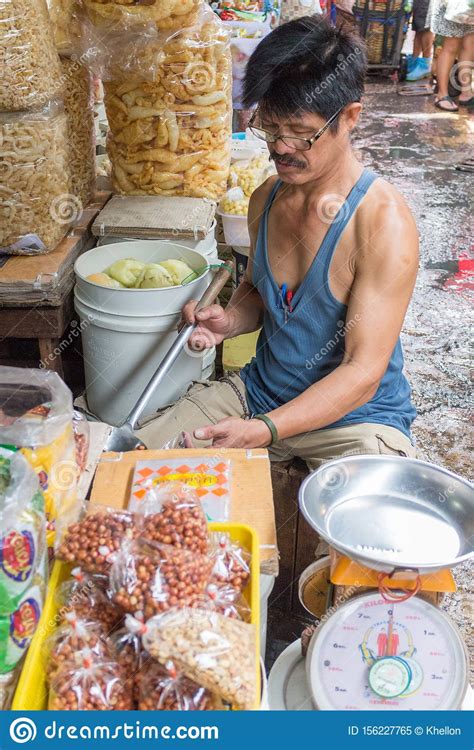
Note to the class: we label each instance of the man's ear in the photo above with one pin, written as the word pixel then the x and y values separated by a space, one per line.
pixel 350 116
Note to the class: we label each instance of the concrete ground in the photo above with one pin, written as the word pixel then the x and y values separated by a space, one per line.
pixel 416 147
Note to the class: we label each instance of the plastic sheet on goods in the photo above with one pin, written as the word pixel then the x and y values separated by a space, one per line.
pixel 35 187
pixel 29 63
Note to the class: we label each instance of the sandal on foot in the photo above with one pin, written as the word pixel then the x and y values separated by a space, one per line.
pixel 438 103
pixel 466 102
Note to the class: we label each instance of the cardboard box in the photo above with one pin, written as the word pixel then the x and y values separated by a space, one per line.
pixel 251 490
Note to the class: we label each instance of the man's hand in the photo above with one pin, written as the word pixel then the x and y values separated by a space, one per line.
pixel 213 325
pixel 234 432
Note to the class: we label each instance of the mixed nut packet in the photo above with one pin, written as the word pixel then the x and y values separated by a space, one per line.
pixel 171 513
pixel 76 635
pixel 216 652
pixel 148 578
pixel 230 562
pixel 87 595
pixel 93 542
pixel 90 684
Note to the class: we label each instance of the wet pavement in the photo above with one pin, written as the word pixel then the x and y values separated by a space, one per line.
pixel 416 147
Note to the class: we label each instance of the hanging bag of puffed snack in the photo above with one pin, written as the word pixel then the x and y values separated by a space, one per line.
pixel 36 204
pixel 168 104
pixel 23 558
pixel 36 417
pixel 90 684
pixel 29 64
pixel 66 18
pixel 94 540
pixel 171 513
pixel 138 14
pixel 147 578
pixel 216 652
pixel 79 109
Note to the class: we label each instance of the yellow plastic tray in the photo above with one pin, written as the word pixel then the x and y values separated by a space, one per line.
pixel 32 691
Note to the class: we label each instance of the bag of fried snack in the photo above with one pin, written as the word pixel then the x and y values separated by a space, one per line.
pixel 157 14
pixel 230 562
pixel 168 104
pixel 216 652
pixel 29 64
pixel 86 595
pixel 164 687
pixel 90 684
pixel 36 417
pixel 67 18
pixel 75 635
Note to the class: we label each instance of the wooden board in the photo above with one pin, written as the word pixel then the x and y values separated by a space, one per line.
pixel 252 497
pixel 27 280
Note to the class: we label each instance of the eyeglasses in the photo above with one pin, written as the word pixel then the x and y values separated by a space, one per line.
pixel 299 144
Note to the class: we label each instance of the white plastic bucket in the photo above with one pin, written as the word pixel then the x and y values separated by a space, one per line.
pixel 127 332
pixel 266 587
pixel 236 232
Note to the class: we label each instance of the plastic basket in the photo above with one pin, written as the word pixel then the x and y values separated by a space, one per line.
pixel 32 691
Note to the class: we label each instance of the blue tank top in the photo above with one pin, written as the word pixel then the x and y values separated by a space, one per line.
pixel 297 349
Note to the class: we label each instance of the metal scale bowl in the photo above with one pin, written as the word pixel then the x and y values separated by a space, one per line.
pixel 398 516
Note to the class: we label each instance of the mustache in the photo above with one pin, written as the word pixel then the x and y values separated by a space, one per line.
pixel 288 160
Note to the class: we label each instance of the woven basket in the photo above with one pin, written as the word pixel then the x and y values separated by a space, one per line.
pixel 378 24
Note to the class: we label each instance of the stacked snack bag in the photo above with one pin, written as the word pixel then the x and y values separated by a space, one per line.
pixel 37 198
pixel 167 76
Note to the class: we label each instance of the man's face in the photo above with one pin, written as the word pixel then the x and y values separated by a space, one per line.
pixel 294 165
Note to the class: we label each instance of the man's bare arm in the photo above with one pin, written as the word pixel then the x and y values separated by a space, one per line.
pixel 386 269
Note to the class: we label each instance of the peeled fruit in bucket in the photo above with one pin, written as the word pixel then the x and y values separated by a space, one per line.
pixel 125 271
pixel 179 270
pixel 154 276
pixel 104 280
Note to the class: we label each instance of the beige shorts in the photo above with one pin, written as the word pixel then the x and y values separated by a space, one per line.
pixel 206 402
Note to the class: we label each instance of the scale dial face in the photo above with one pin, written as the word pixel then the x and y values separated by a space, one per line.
pixel 345 647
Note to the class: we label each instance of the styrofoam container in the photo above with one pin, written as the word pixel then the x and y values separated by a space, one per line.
pixel 236 232
pixel 127 332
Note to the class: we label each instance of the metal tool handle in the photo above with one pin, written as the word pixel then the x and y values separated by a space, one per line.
pixel 216 285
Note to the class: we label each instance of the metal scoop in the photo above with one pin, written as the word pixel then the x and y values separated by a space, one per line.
pixel 122 438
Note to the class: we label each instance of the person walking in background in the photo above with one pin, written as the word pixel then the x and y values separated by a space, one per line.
pixel 420 67
pixel 458 44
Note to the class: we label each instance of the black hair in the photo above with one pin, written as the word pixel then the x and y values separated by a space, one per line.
pixel 306 65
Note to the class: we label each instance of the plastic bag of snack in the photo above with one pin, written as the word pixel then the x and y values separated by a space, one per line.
pixel 60 648
pixel 90 685
pixel 23 557
pixel 94 542
pixel 171 513
pixel 226 600
pixel 127 645
pixel 159 14
pixel 66 18
pixel 230 563
pixel 79 108
pixel 36 205
pixel 80 425
pixel 168 104
pixel 18 627
pixel 85 594
pixel 148 578
pixel 36 416
pixel 216 652
pixel 29 63
pixel 163 687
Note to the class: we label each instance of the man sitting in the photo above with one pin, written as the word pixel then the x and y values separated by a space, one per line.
pixel 331 271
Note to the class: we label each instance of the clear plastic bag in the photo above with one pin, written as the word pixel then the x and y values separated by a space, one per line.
pixel 226 600
pixel 29 63
pixel 161 14
pixel 147 578
pixel 79 108
pixel 168 103
pixel 36 416
pixel 163 687
pixel 35 185
pixel 85 595
pixel 66 18
pixel 172 514
pixel 230 563
pixel 90 685
pixel 18 627
pixel 76 635
pixel 94 542
pixel 216 652
pixel 80 425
